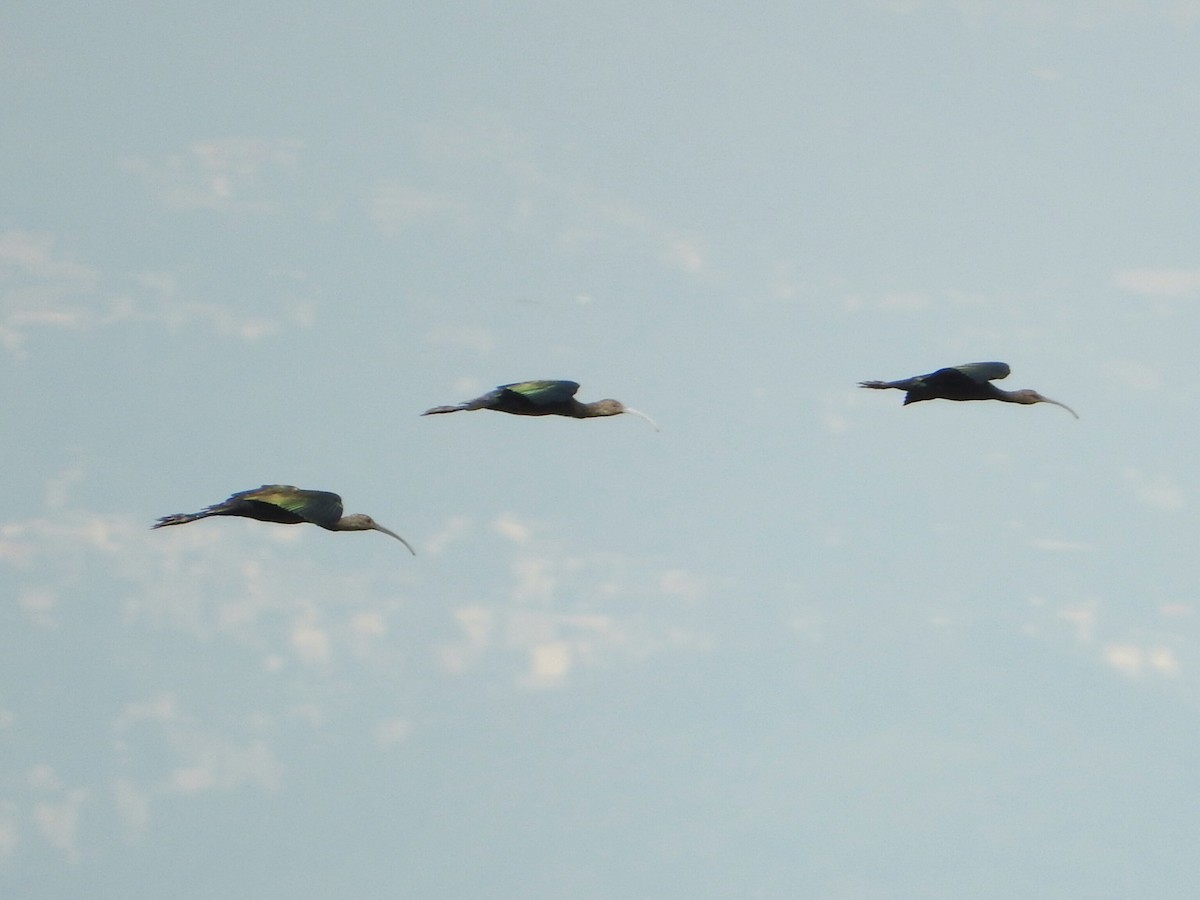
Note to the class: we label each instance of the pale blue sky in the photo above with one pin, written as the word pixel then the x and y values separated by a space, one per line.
pixel 803 642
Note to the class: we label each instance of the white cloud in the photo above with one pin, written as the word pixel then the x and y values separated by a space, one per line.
pixel 493 181
pixel 310 641
pixel 41 287
pixel 1133 660
pixel 683 584
pixel 536 581
pixel 549 664
pixel 223 174
pixel 562 612
pixel 366 629
pixel 905 301
pixel 8 831
pixel 133 805
pixel 58 487
pixel 31 255
pixel 162 300
pixel 1059 545
pixel 220 764
pixel 395 206
pixel 476 623
pixel 391 732
pixel 465 337
pixel 683 254
pixel 510 528
pixel 1083 617
pixel 39 605
pixel 1157 491
pixel 1135 375
pixel 1076 14
pixel 1161 283
pixel 58 821
pixel 453 531
pixel 57 818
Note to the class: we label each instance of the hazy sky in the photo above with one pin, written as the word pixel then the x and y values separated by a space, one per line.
pixel 803 642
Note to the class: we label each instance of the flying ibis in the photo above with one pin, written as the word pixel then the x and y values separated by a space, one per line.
pixel 542 398
pixel 972 381
pixel 287 505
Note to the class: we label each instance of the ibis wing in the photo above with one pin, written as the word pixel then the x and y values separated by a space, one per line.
pixel 542 393
pixel 981 372
pixel 317 507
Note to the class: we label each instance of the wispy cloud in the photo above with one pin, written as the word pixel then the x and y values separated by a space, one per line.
pixel 215 763
pixel 43 287
pixel 192 756
pixel 222 174
pixel 478 340
pixel 159 298
pixel 395 206
pixel 1134 660
pixel 391 732
pixel 1060 545
pixel 1056 13
pixel 9 830
pixel 1157 491
pixel 1167 284
pixel 1082 617
pixel 133 805
pixel 56 809
pixel 564 611
pixel 1133 646
pixel 491 178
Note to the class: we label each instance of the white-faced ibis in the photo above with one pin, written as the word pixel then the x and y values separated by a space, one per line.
pixel 289 506
pixel 542 398
pixel 972 381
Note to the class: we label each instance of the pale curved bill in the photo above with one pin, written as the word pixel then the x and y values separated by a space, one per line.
pixel 1063 405
pixel 644 416
pixel 379 527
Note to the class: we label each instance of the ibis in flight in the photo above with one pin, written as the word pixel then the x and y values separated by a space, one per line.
pixel 287 505
pixel 972 381
pixel 541 398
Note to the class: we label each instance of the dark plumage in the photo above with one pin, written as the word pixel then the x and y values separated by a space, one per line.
pixel 971 381
pixel 286 505
pixel 541 398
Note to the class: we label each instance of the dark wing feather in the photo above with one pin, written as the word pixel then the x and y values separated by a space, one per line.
pixel 318 507
pixel 542 393
pixel 984 371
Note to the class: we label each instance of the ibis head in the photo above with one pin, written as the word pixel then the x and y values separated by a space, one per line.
pixel 611 408
pixel 1028 397
pixel 363 522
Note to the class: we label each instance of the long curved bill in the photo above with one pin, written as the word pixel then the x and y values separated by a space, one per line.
pixel 388 531
pixel 643 416
pixel 1063 405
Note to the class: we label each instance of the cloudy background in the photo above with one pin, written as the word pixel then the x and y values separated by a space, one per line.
pixel 802 642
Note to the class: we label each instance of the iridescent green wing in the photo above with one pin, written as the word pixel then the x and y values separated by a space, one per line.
pixel 542 393
pixel 317 507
